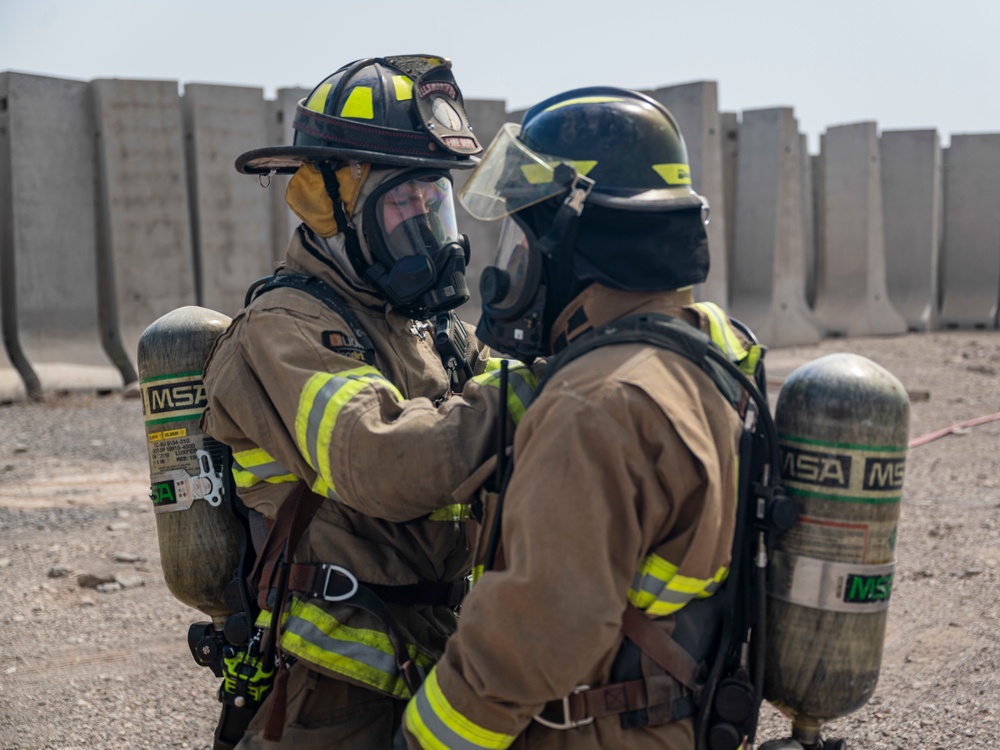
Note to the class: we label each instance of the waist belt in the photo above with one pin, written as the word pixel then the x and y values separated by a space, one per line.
pixel 333 583
pixel 673 693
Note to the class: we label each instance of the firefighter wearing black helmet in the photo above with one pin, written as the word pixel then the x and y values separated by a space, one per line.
pixel 618 515
pixel 359 577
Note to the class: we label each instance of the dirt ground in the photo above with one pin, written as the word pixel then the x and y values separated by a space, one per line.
pixel 108 668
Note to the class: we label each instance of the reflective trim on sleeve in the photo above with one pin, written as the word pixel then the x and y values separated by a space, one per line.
pixel 456 512
pixel 521 386
pixel 493 363
pixel 658 590
pixel 251 467
pixel 436 725
pixel 364 655
pixel 320 403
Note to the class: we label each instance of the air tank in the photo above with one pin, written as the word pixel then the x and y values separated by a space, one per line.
pixel 198 536
pixel 843 426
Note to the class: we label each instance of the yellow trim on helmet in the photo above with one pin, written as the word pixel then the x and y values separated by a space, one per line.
pixel 586 100
pixel 537 174
pixel 359 104
pixel 317 102
pixel 674 174
pixel 404 88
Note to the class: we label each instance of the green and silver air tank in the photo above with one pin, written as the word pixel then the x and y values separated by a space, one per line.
pixel 843 426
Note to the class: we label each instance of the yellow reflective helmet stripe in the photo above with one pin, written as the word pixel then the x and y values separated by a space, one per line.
pixel 317 102
pixel 586 100
pixel 522 384
pixel 437 725
pixel 320 403
pixel 674 174
pixel 251 467
pixel 403 87
pixel 359 104
pixel 361 654
pixel 658 590
pixel 537 174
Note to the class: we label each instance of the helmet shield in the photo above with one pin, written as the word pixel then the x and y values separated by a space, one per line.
pixel 511 176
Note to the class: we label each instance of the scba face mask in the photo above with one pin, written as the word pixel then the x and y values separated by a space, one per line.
pixel 418 256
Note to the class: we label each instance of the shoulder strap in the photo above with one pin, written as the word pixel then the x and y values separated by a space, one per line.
pixel 324 293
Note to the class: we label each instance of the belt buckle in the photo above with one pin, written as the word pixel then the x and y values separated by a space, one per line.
pixel 566 722
pixel 326 583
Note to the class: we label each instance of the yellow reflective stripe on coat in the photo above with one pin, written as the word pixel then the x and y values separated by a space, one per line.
pixel 436 725
pixel 251 467
pixel 455 512
pixel 658 590
pixel 320 403
pixel 724 336
pixel 521 386
pixel 364 655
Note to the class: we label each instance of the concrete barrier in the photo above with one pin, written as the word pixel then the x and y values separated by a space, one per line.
pixel 231 214
pixel 911 195
pixel 696 109
pixel 49 266
pixel 729 125
pixel 767 285
pixel 970 255
pixel 851 294
pixel 144 251
pixel 808 186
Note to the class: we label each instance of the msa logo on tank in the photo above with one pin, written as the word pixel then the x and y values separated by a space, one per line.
pixel 173 397
pixel 865 589
pixel 850 473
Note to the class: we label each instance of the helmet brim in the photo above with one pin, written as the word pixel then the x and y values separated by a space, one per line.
pixel 287 159
pixel 649 200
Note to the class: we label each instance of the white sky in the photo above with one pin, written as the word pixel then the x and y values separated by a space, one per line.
pixel 903 63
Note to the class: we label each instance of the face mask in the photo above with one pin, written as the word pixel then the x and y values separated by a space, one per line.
pixel 419 258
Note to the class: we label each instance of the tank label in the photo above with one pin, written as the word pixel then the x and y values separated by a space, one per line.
pixel 860 541
pixel 844 473
pixel 830 586
pixel 173 398
pixel 171 492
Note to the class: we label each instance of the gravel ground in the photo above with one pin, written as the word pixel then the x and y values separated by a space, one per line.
pixel 108 668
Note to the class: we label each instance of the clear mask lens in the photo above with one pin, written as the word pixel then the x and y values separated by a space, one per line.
pixel 513 258
pixel 417 217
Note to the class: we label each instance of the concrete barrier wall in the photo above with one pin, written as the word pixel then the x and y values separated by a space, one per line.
pixel 851 294
pixel 50 245
pixel 970 262
pixel 911 195
pixel 231 214
pixel 767 288
pixel 144 224
pixel 695 106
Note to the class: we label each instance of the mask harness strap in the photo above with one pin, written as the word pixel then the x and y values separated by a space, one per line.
pixel 351 241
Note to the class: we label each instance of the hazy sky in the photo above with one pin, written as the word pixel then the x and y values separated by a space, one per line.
pixel 903 63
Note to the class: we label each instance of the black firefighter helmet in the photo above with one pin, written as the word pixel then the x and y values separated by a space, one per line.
pixel 597 187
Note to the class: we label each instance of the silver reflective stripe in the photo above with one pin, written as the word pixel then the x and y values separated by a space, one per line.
pixel 372 657
pixel 264 471
pixel 316 411
pixel 441 731
pixel 828 585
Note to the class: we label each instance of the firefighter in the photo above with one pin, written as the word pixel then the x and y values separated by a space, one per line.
pixel 618 516
pixel 318 364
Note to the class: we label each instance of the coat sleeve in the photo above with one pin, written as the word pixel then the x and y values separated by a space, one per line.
pixel 579 512
pixel 292 408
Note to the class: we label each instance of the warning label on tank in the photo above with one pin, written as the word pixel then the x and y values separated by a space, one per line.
pixel 853 474
pixel 167 454
pixel 173 398
pixel 847 541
